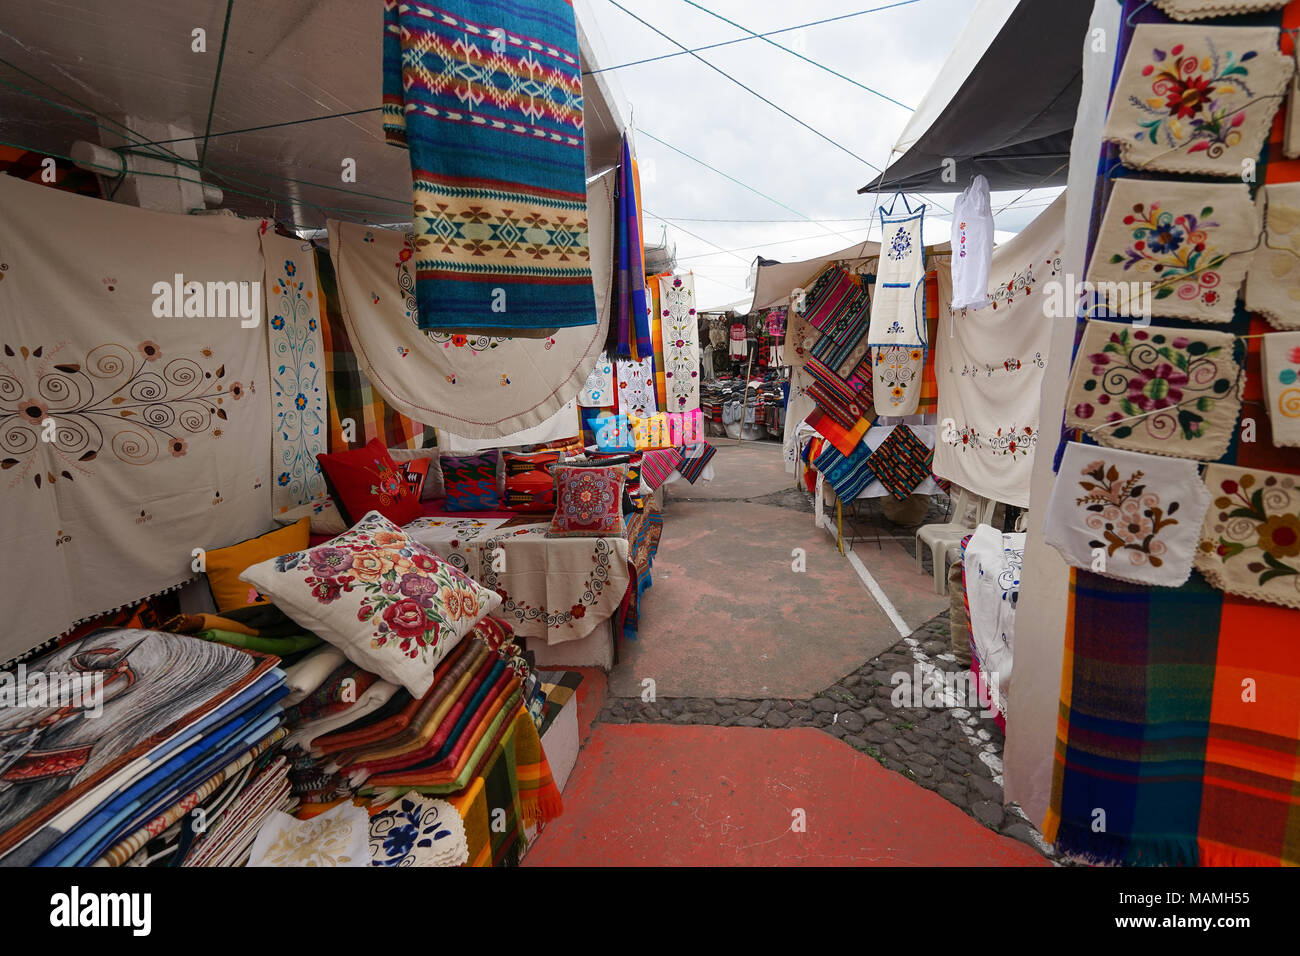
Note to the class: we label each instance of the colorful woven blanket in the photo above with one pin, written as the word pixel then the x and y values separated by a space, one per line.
pixel 847 475
pixel 836 300
pixel 901 462
pixel 487 96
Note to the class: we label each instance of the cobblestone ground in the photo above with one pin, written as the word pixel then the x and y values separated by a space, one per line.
pixel 949 750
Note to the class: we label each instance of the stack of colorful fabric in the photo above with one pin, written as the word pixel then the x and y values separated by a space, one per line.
pixel 469 733
pixel 121 731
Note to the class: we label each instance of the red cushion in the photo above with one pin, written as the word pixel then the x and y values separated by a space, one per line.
pixel 529 484
pixel 367 479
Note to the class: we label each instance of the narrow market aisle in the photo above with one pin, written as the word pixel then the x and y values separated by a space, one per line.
pixel 749 599
pixel 656 795
pixel 788 661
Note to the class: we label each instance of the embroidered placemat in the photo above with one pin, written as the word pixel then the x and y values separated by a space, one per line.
pixel 1273 286
pixel 1197 99
pixel 1127 515
pixel 598 390
pixel 1175 248
pixel 1199 9
pixel 1250 543
pixel 1280 365
pixel 1165 391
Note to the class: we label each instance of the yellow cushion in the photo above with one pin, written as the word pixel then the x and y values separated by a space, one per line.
pixel 225 565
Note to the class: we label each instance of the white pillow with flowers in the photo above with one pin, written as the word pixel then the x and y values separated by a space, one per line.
pixel 390 604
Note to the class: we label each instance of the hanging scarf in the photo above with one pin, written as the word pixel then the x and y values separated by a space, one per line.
pixel 633 320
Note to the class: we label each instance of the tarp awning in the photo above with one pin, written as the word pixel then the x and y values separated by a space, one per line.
pixel 1003 106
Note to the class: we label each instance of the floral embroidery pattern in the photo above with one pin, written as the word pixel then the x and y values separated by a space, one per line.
pixel 900 245
pixel 1190 107
pixel 518 611
pixel 299 395
pixel 1013 441
pixel 1128 516
pixel 1177 249
pixel 408 595
pixel 418 831
pixel 681 344
pixel 1251 545
pixel 136 403
pixel 1157 385
pixel 406 292
pixel 897 371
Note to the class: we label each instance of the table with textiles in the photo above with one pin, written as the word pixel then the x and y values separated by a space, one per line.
pixel 555 589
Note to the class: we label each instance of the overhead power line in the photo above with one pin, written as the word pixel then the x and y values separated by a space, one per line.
pixel 796 53
pixel 771 33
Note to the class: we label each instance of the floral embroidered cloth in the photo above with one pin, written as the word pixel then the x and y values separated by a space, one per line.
pixel 416 830
pixel 1176 248
pixel 972 253
pixel 1127 515
pixel 554 589
pixel 636 387
pixel 681 352
pixel 299 428
pixel 1250 544
pixel 337 837
pixel 990 366
pixel 898 303
pixel 1199 9
pixel 473 385
pixel 598 390
pixel 1280 366
pixel 991 566
pixel 896 373
pixel 1197 99
pixel 1165 391
pixel 128 438
pixel 412 606
pixel 1273 286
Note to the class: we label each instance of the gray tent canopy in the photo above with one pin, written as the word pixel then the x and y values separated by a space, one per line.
pixel 1006 113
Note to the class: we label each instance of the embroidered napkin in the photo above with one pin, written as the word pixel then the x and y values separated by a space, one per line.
pixel 1165 391
pixel 416 830
pixel 1280 358
pixel 1250 544
pixel 901 462
pixel 896 385
pixel 1197 99
pixel 1273 286
pixel 1127 515
pixel 338 837
pixel 1175 248
pixel 598 391
pixel 636 387
pixel 898 307
pixel 1199 9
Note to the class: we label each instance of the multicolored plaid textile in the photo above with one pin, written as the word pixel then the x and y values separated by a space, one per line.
pixel 929 400
pixel 847 475
pixel 1158 725
pixel 559 687
pixel 487 96
pixel 694 459
pixel 836 297
pixel 901 462
pixel 350 395
pixel 657 464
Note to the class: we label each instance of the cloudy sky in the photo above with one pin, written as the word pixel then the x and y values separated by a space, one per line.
pixel 681 101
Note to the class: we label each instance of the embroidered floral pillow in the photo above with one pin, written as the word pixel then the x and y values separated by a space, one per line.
pixel 1197 99
pixel 1250 544
pixel 390 604
pixel 1175 249
pixel 588 502
pixel 1199 9
pixel 367 479
pixel 1126 515
pixel 1165 391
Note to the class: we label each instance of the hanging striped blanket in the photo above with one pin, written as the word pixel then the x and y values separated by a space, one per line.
pixel 487 96
pixel 901 462
pixel 835 297
pixel 848 475
pixel 694 459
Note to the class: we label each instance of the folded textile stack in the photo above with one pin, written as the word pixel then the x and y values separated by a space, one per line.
pixel 470 732
pixel 121 731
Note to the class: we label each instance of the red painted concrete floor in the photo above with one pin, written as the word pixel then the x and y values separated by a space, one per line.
pixel 655 795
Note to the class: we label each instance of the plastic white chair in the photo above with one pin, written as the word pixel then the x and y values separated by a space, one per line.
pixel 970 511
